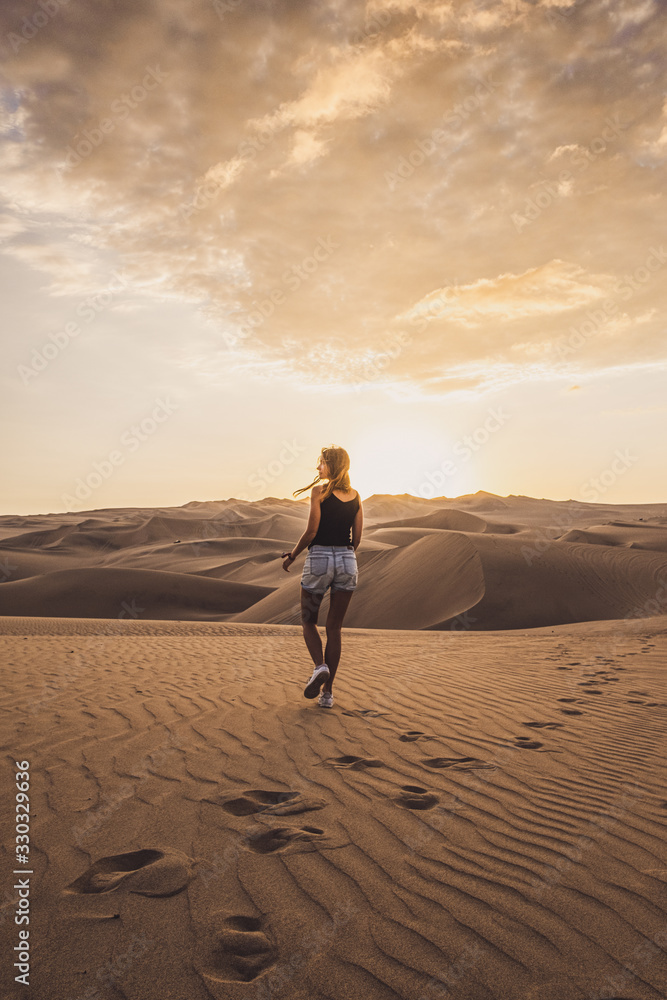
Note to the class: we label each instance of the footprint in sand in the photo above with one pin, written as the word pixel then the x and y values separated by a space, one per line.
pixel 415 797
pixel 280 838
pixel 571 711
pixel 146 873
pixel 353 763
pixel 240 949
pixel 259 800
pixel 469 763
pixel 524 743
pixel 412 735
pixel 543 725
pixel 567 699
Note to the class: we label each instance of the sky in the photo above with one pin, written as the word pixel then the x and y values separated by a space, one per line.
pixel 234 232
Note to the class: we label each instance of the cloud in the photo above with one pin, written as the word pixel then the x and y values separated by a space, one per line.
pixel 272 128
pixel 541 291
pixel 353 86
pixel 306 149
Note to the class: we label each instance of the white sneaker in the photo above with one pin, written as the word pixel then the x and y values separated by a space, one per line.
pixel 325 699
pixel 320 675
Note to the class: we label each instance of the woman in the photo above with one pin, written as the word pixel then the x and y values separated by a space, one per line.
pixel 335 510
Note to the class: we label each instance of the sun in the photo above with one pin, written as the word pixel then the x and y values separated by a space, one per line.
pixel 397 457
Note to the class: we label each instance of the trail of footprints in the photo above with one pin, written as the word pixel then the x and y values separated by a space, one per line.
pixel 270 803
pixel 597 678
pixel 416 797
pixel 241 947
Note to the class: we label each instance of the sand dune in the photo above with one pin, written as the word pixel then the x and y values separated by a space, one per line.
pixel 629 534
pixel 402 587
pixel 527 585
pixel 119 593
pixel 500 562
pixel 480 816
pixel 444 519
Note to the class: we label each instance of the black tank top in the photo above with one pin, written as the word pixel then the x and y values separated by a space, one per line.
pixel 336 517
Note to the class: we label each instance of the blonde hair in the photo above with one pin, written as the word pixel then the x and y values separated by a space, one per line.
pixel 338 461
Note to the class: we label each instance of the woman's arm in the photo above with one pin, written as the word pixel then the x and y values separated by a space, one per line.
pixel 311 527
pixel 358 526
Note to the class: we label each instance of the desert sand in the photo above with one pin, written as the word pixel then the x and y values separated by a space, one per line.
pixel 480 816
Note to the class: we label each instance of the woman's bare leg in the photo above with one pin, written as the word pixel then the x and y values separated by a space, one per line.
pixel 338 604
pixel 310 606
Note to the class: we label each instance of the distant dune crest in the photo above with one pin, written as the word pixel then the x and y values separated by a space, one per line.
pixel 476 562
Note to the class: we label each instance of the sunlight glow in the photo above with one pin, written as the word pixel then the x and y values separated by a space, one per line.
pixel 394 456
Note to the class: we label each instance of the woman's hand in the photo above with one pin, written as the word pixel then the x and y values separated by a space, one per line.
pixel 288 561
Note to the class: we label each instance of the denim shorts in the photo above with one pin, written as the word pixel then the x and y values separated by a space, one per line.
pixel 327 566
